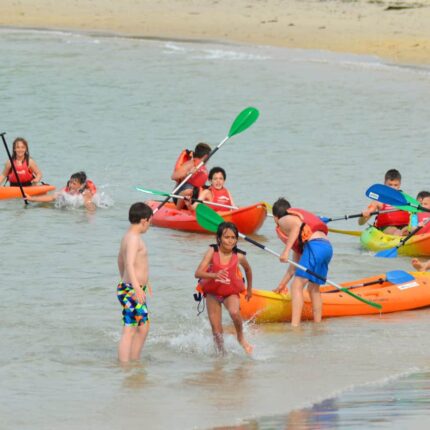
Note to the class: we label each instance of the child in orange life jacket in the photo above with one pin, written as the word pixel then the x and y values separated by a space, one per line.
pixel 77 184
pixel 392 222
pixel 217 193
pixel 221 283
pixel 305 234
pixel 26 168
pixel 199 177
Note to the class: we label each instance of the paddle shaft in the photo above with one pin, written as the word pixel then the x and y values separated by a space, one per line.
pixel 13 167
pixel 178 196
pixel 299 266
pixel 191 174
pixel 360 215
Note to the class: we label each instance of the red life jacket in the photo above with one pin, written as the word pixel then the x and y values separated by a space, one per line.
pixel 396 219
pixel 310 224
pixel 222 197
pixel 88 185
pixel 217 288
pixel 24 173
pixel 422 217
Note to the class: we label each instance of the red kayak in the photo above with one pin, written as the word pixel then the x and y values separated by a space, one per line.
pixel 248 219
pixel 15 192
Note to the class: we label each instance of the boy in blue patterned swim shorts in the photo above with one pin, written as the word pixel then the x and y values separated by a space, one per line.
pixel 131 291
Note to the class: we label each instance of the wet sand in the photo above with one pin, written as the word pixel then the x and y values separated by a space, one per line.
pixel 394 30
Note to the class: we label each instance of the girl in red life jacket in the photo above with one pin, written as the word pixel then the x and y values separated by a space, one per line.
pixel 77 184
pixel 305 234
pixel 221 282
pixel 197 180
pixel 217 193
pixel 28 172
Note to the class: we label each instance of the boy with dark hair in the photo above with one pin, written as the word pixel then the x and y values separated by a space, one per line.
pixel 306 235
pixel 390 222
pixel 131 291
pixel 184 168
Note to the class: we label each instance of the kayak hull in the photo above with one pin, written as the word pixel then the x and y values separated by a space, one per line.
pixel 15 192
pixel 266 306
pixel 247 219
pixel 376 240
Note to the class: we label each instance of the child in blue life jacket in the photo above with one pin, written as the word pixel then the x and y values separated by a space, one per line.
pixel 221 282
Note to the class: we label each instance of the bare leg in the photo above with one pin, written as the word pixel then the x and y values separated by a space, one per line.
pixel 138 341
pixel 315 295
pixel 393 231
pixel 297 300
pixel 181 204
pixel 420 265
pixel 215 319
pixel 232 304
pixel 124 346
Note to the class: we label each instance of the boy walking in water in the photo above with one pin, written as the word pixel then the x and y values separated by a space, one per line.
pixel 131 291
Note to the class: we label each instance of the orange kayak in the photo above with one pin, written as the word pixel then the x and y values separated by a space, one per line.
pixel 248 219
pixel 267 306
pixel 15 192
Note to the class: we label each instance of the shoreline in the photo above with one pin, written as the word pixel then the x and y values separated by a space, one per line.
pixel 392 30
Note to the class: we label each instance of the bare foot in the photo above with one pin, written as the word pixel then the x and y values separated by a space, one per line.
pixel 246 346
pixel 417 264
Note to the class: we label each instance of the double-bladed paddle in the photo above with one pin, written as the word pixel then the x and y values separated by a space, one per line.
pixel 244 120
pixel 390 196
pixel 210 220
pixel 326 219
pixel 347 232
pixel 178 196
pixel 13 167
pixel 395 277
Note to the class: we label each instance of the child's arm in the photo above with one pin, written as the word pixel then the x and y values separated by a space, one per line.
pixel 292 226
pixel 289 274
pixel 36 171
pixel 374 206
pixel 47 198
pixel 120 264
pixel 248 275
pixel 201 271
pixel 131 248
pixel 88 201
pixel 231 199
pixel 6 169
pixel 183 171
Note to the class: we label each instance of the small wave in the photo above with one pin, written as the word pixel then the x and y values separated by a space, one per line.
pixel 66 200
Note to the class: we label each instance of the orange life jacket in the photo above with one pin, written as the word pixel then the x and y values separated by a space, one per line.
pixel 310 224
pixel 88 185
pixel 217 288
pixel 200 177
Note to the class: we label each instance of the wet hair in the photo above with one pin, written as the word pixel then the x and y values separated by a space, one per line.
pixel 392 175
pixel 217 170
pixel 81 177
pixel 201 150
pixel 226 226
pixel 423 194
pixel 280 207
pixel 139 211
pixel 27 152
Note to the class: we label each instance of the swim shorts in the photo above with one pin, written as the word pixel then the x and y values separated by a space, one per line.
pixel 316 257
pixel 133 313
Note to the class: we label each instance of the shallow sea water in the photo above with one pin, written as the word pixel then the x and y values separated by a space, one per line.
pixel 122 109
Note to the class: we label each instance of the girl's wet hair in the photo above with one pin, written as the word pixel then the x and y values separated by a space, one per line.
pixel 27 152
pixel 226 226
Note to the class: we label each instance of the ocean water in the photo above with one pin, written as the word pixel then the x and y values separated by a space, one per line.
pixel 122 109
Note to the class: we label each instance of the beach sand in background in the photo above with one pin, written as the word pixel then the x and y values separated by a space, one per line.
pixel 394 30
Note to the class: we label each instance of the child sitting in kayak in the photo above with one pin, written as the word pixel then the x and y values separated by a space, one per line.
pixel 306 235
pixel 77 185
pixel 221 282
pixel 187 164
pixel 419 219
pixel 217 193
pixel 391 222
pixel 28 172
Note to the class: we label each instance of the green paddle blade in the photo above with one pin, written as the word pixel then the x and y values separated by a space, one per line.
pixel 244 120
pixel 412 202
pixel 207 218
pixel 155 192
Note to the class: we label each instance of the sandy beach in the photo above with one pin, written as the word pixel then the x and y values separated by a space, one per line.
pixel 396 31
